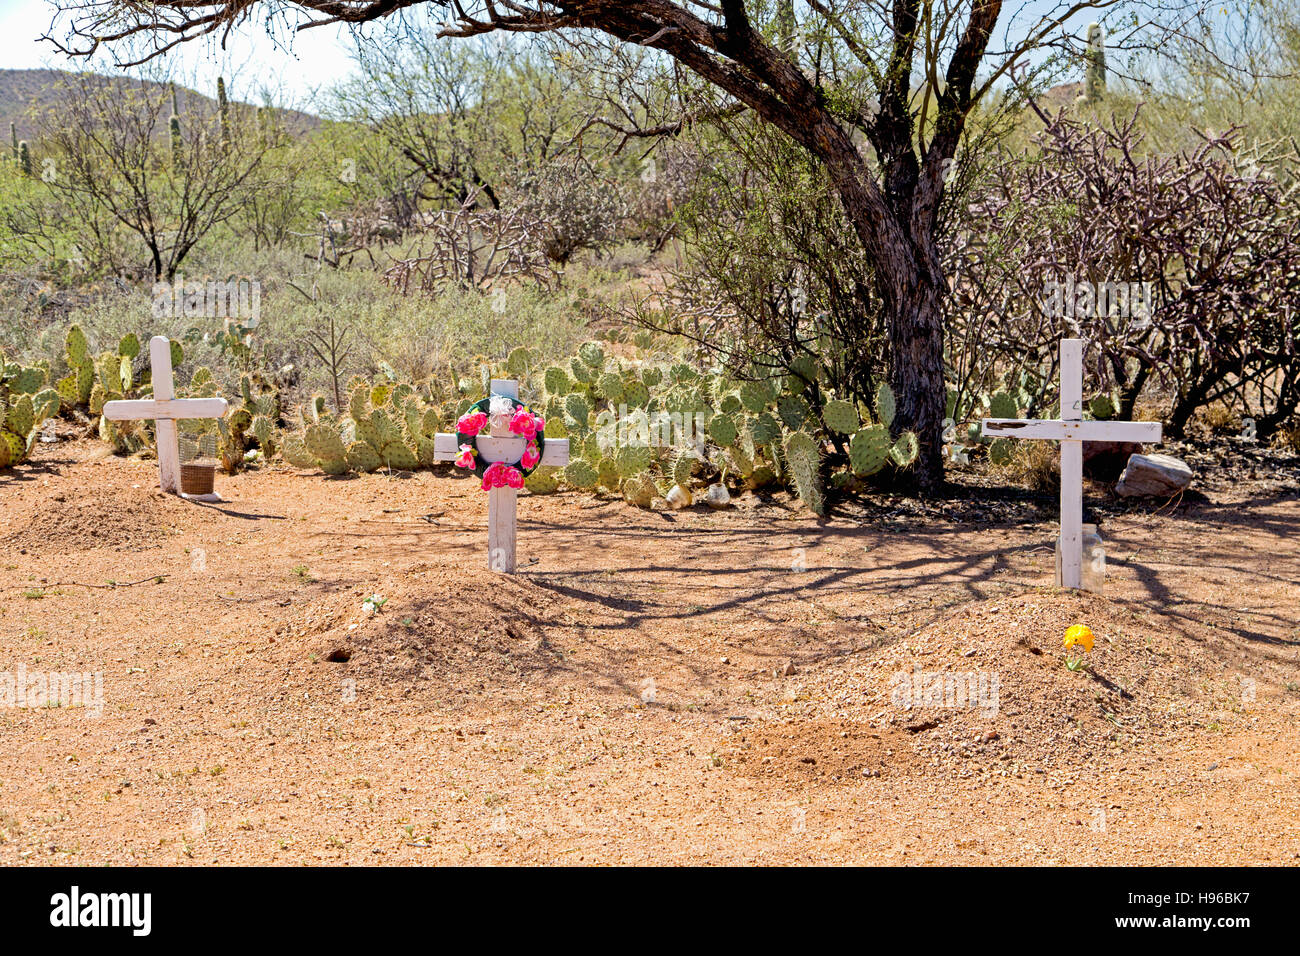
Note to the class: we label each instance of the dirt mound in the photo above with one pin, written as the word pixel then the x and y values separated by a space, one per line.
pixel 116 518
pixel 471 629
pixel 988 686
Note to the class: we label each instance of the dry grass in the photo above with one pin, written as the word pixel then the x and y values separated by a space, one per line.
pixel 1288 438
pixel 1033 465
pixel 1220 419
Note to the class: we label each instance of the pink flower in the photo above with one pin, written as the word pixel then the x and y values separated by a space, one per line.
pixel 541 422
pixel 471 423
pixel 523 424
pixel 466 457
pixel 501 475
pixel 531 455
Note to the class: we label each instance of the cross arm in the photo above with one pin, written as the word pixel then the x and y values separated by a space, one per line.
pixel 1143 432
pixel 555 451
pixel 171 408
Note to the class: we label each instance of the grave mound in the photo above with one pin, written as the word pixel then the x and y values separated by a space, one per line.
pixel 473 630
pixel 988 683
pixel 121 518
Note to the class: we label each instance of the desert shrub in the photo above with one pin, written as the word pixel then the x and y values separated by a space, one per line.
pixel 1177 268
pixel 577 205
pixel 116 177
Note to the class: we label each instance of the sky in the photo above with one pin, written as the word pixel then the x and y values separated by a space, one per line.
pixel 309 62
pixel 298 67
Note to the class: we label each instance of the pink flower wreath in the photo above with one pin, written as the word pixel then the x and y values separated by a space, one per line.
pixel 505 413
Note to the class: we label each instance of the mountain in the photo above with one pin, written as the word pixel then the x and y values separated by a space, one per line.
pixel 21 90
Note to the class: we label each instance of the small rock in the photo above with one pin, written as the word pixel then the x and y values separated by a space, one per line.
pixel 786 669
pixel 989 736
pixel 678 497
pixel 1153 475
pixel 717 496
pixel 870 772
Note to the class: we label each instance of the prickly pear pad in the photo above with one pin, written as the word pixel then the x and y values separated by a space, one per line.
pixel 479 414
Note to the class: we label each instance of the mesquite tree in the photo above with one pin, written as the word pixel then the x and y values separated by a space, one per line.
pixel 880 92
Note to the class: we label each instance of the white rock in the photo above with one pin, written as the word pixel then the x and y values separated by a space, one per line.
pixel 1155 475
pixel 678 497
pixel 717 496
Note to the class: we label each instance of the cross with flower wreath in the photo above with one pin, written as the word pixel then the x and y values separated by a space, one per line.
pixel 514 446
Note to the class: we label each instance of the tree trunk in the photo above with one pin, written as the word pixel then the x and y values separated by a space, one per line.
pixel 915 320
pixel 905 255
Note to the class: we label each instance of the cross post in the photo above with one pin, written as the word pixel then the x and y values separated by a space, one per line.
pixel 1072 431
pixel 165 408
pixel 502 445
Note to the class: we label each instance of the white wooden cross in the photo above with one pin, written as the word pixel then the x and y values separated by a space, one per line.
pixel 165 408
pixel 502 445
pixel 1071 431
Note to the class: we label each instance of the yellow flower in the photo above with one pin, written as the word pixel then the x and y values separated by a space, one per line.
pixel 1081 635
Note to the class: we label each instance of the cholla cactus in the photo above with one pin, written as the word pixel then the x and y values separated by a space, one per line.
pixel 25 158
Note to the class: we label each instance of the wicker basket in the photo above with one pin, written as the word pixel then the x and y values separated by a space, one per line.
pixel 197 479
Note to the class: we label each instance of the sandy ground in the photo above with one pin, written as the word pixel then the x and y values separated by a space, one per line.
pixel 692 687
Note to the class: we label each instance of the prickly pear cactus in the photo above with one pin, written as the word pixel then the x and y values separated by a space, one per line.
pixel 294 451
pixel 840 416
pixel 25 404
pixel 362 457
pixel 326 447
pixel 905 450
pixel 580 474
pixel 592 355
pixel 557 381
pixel 1002 405
pixel 886 405
pixel 75 388
pixel 1002 451
pixel 803 459
pixel 542 481
pixel 639 490
pixel 869 450
pixel 1102 407
pixel 722 430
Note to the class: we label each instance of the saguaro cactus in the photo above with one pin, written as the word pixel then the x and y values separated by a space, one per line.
pixel 223 107
pixel 175 125
pixel 13 139
pixel 1095 78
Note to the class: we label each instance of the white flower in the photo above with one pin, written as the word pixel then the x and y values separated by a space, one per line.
pixel 368 608
pixel 500 411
